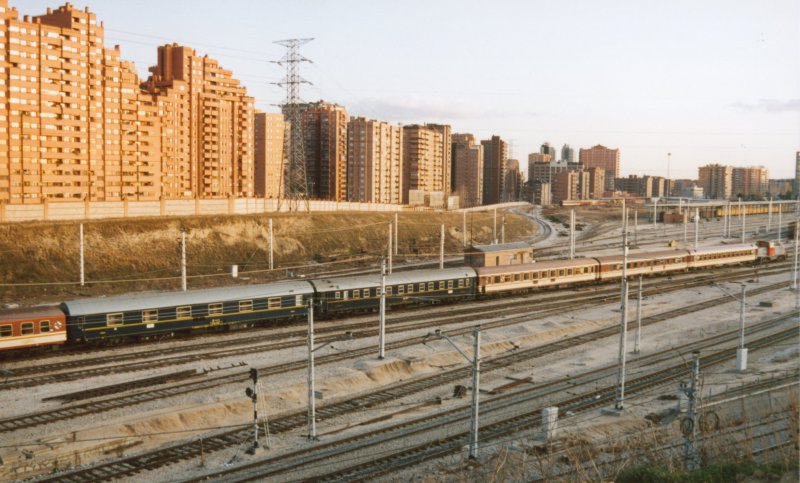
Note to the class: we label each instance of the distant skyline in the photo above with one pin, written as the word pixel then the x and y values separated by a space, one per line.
pixel 710 82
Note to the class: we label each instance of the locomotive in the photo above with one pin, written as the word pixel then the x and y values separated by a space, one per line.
pixel 147 315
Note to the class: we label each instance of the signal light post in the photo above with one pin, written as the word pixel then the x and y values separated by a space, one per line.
pixel 253 394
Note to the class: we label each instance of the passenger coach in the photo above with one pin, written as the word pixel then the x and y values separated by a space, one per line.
pixel 526 276
pixel 32 327
pixel 362 293
pixel 722 255
pixel 647 263
pixel 145 315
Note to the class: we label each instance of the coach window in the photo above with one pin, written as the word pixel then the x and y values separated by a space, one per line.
pixel 441 285
pixel 449 284
pixel 366 293
pixel 516 277
pixel 401 289
pixel 44 326
pixel 273 302
pixel 245 306
pixel 430 286
pixel 356 294
pixel 410 288
pixel 467 282
pixel 114 319
pixel 298 300
pixel 460 283
pixel 27 328
pixel 338 295
pixel 149 315
pixel 184 312
pixel 216 309
pixel 422 287
pixel 6 331
pixel 345 294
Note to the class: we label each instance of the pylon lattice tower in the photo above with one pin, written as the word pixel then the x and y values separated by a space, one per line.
pixel 294 185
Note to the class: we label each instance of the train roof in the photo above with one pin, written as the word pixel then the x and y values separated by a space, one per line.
pixel 25 313
pixel 396 278
pixel 633 257
pixel 544 265
pixel 723 248
pixel 140 301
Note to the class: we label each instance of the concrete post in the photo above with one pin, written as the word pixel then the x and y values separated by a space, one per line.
pixel 183 260
pixel 741 352
pixel 382 320
pixel 744 222
pixel 389 251
pixel 396 232
pixel 312 423
pixel 623 332
pixel 769 216
pixel 696 227
pixel 476 370
pixel 494 230
pixel 549 423
pixel 464 227
pixel 503 229
pixel 441 249
pixel 780 221
pixel 571 234
pixel 82 259
pixel 636 346
pixel 271 240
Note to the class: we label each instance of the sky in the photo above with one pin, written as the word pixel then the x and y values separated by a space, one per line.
pixel 711 81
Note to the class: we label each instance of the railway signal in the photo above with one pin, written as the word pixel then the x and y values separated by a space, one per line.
pixel 253 395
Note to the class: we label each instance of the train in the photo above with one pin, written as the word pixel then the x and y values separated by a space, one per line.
pixel 145 316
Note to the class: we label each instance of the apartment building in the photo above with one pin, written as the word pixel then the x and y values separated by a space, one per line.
pixel 600 156
pixel 207 125
pixel 77 124
pixel 467 169
pixel 423 160
pixel 513 181
pixel 495 155
pixel 270 129
pixel 750 181
pixel 374 161
pixel 716 181
pixel 325 148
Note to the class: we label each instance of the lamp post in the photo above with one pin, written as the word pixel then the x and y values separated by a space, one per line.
pixel 312 408
pixel 476 369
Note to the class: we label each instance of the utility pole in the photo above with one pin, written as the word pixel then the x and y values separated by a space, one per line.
pixel 690 423
pixel 635 227
pixel 769 216
pixel 696 226
pixel 503 229
pixel 655 213
pixel 744 220
pixel 571 234
pixel 685 224
pixel 82 260
pixel 780 221
pixel 389 250
pixel 636 346
pixel 312 423
pixel 441 249
pixel 396 232
pixel 623 332
pixel 476 374
pixel 464 227
pixel 796 234
pixel 494 230
pixel 294 184
pixel 183 260
pixel 741 352
pixel 253 395
pixel 271 266
pixel 382 321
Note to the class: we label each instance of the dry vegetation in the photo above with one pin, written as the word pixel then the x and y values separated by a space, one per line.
pixel 148 249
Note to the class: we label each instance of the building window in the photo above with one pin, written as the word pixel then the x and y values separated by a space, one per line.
pixel 113 320
pixel 5 331
pixel 149 315
pixel 245 306
pixel 184 312
pixel 214 309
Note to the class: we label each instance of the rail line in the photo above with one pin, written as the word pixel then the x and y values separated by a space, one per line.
pixel 134 464
pixel 94 407
pixel 32 375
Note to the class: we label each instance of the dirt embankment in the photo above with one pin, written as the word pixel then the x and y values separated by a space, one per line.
pixel 144 254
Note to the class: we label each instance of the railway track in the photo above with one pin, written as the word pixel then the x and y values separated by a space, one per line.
pixel 33 375
pixel 148 395
pixel 134 464
pixel 516 425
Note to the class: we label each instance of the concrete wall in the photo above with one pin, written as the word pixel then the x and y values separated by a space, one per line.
pixel 80 210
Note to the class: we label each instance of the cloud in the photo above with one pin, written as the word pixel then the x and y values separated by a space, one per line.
pixel 770 105
pixel 411 109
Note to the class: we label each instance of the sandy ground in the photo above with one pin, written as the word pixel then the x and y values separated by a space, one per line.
pixel 146 426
